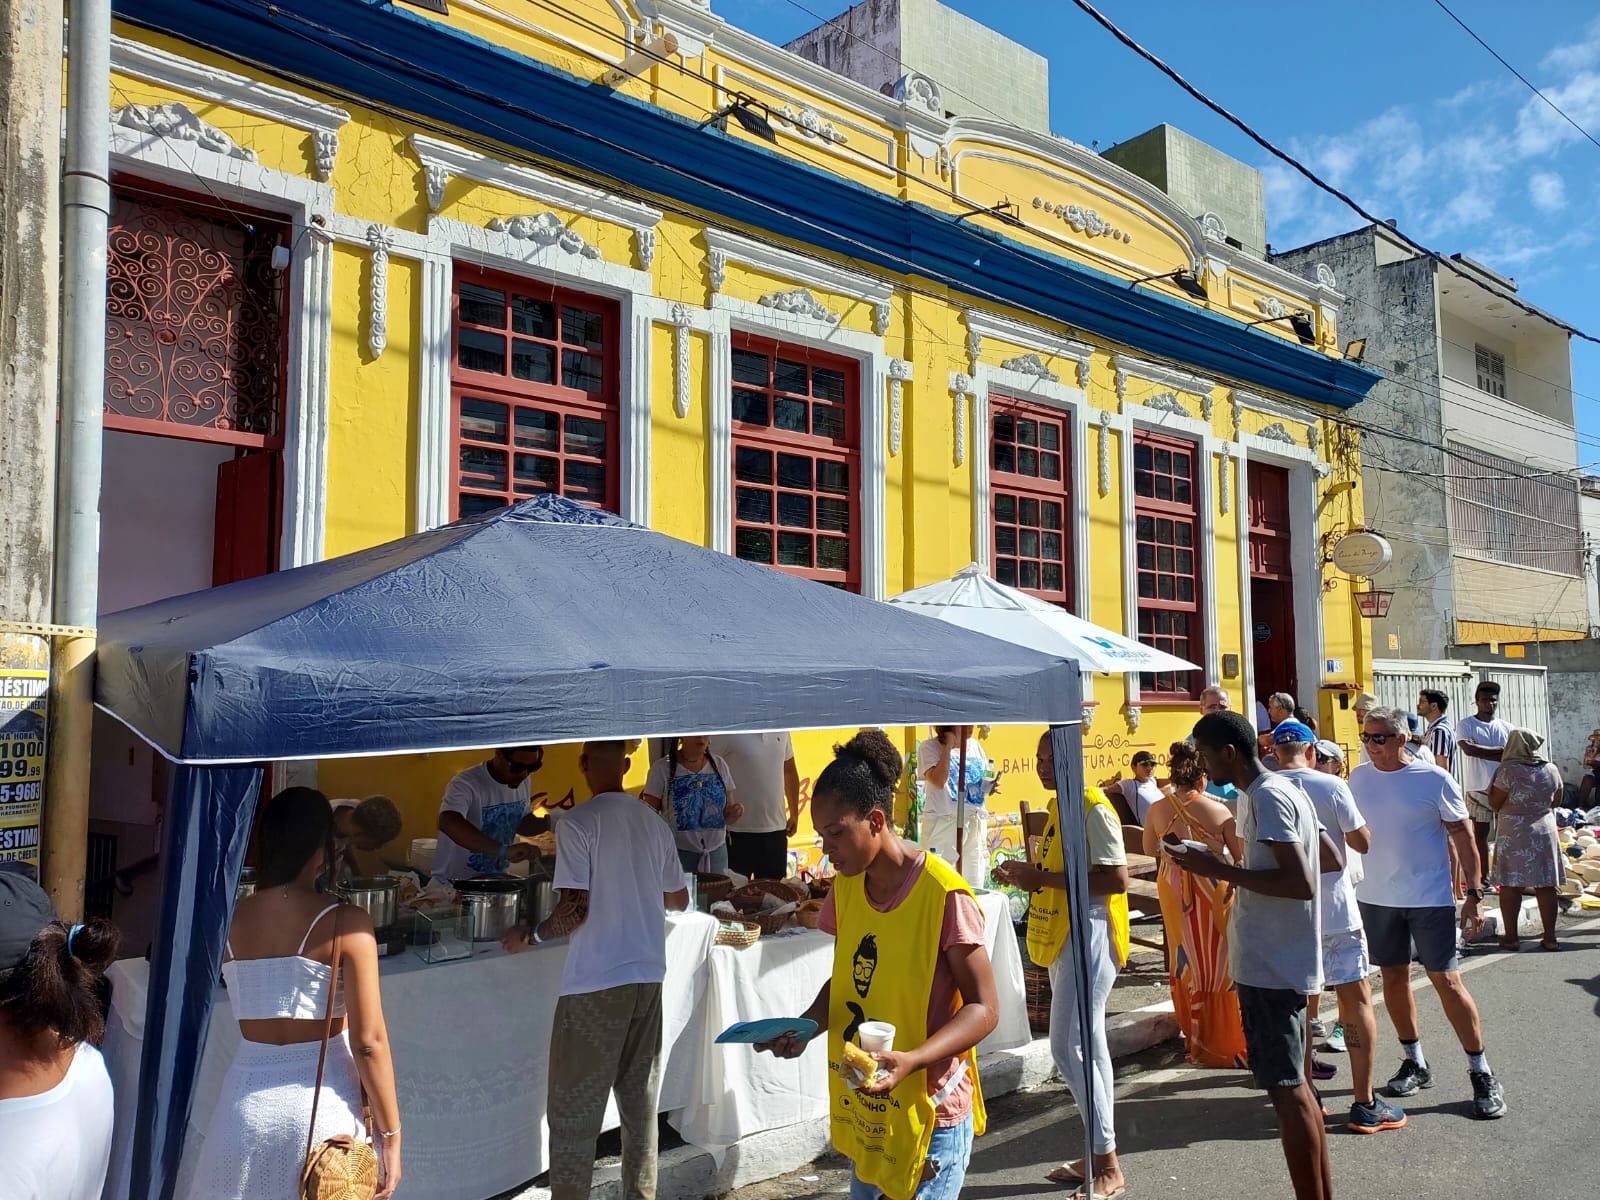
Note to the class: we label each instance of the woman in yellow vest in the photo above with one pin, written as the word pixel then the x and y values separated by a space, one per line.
pixel 909 952
pixel 1108 952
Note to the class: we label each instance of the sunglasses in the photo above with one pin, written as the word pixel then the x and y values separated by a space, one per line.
pixel 523 768
pixel 1381 739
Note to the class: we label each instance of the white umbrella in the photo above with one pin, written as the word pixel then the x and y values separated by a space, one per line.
pixel 975 601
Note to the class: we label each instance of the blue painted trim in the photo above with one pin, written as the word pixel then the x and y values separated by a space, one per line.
pixel 396 58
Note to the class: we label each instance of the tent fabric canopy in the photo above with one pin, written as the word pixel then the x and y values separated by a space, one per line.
pixel 545 622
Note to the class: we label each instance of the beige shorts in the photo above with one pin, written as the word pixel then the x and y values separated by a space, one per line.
pixel 1478 808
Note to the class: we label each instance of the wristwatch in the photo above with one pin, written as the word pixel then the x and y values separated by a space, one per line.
pixel 1474 893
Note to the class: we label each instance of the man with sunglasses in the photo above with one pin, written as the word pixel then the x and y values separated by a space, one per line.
pixel 1415 814
pixel 479 815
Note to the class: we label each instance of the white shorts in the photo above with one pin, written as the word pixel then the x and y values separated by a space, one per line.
pixel 1344 957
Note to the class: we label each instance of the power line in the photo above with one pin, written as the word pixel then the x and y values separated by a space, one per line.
pixel 1556 108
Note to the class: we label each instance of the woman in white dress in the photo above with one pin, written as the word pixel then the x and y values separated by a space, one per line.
pixel 278 971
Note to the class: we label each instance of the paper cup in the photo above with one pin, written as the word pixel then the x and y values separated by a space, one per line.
pixel 876 1037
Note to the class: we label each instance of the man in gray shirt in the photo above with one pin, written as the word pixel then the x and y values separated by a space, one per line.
pixel 1274 935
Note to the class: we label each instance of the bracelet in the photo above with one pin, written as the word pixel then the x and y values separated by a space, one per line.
pixel 389 1133
pixel 533 938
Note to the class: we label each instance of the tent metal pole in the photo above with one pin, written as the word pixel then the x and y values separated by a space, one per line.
pixel 961 807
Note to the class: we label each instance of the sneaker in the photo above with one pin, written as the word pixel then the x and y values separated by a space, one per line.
pixel 1379 1115
pixel 1322 1070
pixel 1488 1098
pixel 1335 1040
pixel 1319 1029
pixel 1409 1079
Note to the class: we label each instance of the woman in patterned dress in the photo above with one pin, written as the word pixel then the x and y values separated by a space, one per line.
pixel 1195 912
pixel 1527 849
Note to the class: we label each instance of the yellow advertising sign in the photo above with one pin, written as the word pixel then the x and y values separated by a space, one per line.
pixel 24 697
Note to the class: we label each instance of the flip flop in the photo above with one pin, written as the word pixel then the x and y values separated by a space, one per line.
pixel 1066 1176
pixel 1550 945
pixel 1083 1193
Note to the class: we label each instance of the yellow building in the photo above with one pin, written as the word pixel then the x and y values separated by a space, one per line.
pixel 374 267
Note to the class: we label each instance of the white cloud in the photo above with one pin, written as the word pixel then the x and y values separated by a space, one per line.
pixel 1548 191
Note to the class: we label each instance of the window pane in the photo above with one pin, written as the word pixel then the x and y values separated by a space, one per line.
pixel 1147 585
pixel 586 436
pixel 1147 557
pixel 483 468
pixel 1185 562
pixel 1049 436
pixel 752 466
pixel 1028 573
pixel 1050 547
pixel 1005 570
pixel 1050 466
pixel 1185 533
pixel 750 408
pixel 833 477
pixel 1163 487
pixel 1164 558
pixel 536 473
pixel 1143 483
pixel 1141 458
pixel 754 505
pixel 586 372
pixel 791 377
pixel 1005 429
pixel 754 545
pixel 1005 457
pixel 833 554
pixel 794 549
pixel 533 361
pixel 1050 515
pixel 1186 589
pixel 1005 508
pixel 794 471
pixel 1028 462
pixel 1145 528
pixel 828 384
pixel 1028 543
pixel 481 351
pixel 1181 492
pixel 483 420
pixel 750 368
pixel 1028 513
pixel 794 510
pixel 1181 465
pixel 827 421
pixel 1163 463
pixel 584 481
pixel 537 317
pixel 1166 589
pixel 482 306
pixel 580 327
pixel 1027 432
pixel 789 414
pixel 833 514
pixel 1164 532
pixel 536 429
pixel 471 505
pixel 1051 579
pixel 1005 540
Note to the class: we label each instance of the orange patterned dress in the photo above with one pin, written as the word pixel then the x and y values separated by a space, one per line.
pixel 1194 910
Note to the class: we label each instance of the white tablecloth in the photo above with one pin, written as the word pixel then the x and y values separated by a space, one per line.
pixel 471 1050
pixel 740 1092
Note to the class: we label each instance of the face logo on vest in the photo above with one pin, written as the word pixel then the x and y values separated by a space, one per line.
pixel 865 964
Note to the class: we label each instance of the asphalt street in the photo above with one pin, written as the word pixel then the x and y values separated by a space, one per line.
pixel 1189 1132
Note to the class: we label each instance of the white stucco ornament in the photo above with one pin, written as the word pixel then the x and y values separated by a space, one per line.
pixel 1362 553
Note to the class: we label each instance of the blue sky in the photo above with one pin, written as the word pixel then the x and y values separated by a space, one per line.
pixel 1391 101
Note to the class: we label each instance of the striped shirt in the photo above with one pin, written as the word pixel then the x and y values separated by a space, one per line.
pixel 1442 741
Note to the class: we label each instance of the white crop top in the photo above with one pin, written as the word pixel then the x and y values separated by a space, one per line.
pixel 293 986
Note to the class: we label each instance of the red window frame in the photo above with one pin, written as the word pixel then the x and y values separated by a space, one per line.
pixel 1168 584
pixel 1030 498
pixel 538 432
pixel 797 460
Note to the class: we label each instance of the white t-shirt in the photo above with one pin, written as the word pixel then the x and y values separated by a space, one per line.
pixel 1140 796
pixel 941 802
pixel 1337 813
pixel 757 761
pixel 1409 863
pixel 617 849
pixel 57 1145
pixel 488 805
pixel 1478 773
pixel 1275 942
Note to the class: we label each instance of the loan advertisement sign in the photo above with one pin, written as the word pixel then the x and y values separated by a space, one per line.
pixel 24 695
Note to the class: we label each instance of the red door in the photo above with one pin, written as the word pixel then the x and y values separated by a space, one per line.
pixel 249 490
pixel 1271 583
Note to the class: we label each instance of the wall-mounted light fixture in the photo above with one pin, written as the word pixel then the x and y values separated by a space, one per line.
pixel 1006 212
pixel 1299 321
pixel 1355 349
pixel 753 117
pixel 647 53
pixel 1187 282
pixel 433 6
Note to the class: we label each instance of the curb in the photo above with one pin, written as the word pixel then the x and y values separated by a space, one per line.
pixel 690 1173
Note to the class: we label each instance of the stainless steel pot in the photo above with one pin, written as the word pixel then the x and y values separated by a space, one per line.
pixel 541 900
pixel 489 907
pixel 376 894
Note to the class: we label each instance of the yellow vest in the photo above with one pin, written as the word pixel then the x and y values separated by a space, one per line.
pixel 1048 923
pixel 883 966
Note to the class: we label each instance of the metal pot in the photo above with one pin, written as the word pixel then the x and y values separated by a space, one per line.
pixel 489 906
pixel 376 894
pixel 541 900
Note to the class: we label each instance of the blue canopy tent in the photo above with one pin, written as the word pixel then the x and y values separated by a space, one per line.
pixel 545 622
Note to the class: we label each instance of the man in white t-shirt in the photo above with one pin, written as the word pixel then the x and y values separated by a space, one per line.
pixel 769 791
pixel 1416 816
pixel 1481 739
pixel 618 873
pixel 938 767
pixel 1132 798
pixel 1345 965
pixel 480 813
pixel 1274 934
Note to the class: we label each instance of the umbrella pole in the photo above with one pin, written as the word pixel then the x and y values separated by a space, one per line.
pixel 961 807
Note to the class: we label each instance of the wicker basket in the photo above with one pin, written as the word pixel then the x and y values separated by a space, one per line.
pixel 1036 988
pixel 712 888
pixel 751 935
pixel 769 923
pixel 809 914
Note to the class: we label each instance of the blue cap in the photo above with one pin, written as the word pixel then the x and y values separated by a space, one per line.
pixel 1292 731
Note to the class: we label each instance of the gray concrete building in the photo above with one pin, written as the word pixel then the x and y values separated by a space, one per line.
pixel 979 72
pixel 1202 179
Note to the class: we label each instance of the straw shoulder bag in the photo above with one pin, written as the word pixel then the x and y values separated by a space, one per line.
pixel 342 1167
